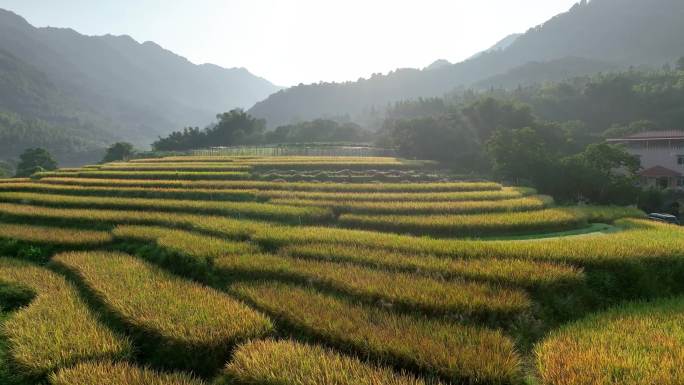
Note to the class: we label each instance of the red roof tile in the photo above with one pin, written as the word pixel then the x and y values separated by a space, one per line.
pixel 659 171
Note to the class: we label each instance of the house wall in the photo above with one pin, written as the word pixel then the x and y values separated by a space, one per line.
pixel 659 156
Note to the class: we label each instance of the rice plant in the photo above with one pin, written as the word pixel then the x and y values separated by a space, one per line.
pixel 54 235
pixel 297 186
pixel 118 373
pixel 509 271
pixel 171 175
pixel 424 208
pixel 410 291
pixel 195 167
pixel 485 195
pixel 135 192
pixel 639 343
pixel 548 220
pixel 177 323
pixel 235 209
pixel 292 363
pixel 456 352
pixel 56 329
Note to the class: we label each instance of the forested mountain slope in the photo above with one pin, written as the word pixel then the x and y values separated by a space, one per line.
pixel 615 32
pixel 113 85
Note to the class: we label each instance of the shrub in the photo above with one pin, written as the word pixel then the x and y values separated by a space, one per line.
pixel 290 363
pixel 177 323
pixel 456 352
pixel 57 329
pixel 639 343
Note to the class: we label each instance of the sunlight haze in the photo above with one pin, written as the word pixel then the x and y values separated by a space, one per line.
pixel 302 41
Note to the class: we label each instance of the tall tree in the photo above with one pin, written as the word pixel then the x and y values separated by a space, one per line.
pixel 35 160
pixel 118 151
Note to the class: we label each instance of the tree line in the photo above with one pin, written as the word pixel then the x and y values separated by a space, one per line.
pixel 237 127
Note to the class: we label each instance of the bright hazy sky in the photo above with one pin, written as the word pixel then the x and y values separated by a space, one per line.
pixel 302 41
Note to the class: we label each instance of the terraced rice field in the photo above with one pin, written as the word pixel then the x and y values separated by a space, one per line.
pixel 327 270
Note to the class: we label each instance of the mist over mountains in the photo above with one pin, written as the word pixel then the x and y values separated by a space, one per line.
pixel 75 94
pixel 108 87
pixel 589 38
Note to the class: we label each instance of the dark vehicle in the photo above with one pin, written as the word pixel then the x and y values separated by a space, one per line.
pixel 667 218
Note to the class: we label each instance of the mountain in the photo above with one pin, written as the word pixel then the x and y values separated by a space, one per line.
pixel 542 72
pixel 616 32
pixel 437 64
pixel 112 87
pixel 500 45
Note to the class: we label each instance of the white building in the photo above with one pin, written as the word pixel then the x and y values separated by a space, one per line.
pixel 662 157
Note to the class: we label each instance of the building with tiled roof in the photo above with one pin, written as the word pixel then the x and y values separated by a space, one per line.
pixel 661 154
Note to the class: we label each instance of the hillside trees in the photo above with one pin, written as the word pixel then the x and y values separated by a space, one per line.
pixel 5 170
pixel 118 151
pixel 34 160
pixel 233 128
pixel 319 130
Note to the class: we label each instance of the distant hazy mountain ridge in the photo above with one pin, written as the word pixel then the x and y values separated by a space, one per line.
pixel 114 84
pixel 615 33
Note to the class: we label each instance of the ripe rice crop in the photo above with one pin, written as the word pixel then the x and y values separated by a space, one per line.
pixel 418 208
pixel 134 192
pixel 640 343
pixel 172 175
pixel 184 159
pixel 14 180
pixel 510 271
pixel 235 209
pixel 56 329
pixel 191 244
pixel 195 167
pixel 292 363
pixel 177 323
pixel 183 252
pixel 300 186
pixel 118 373
pixel 54 235
pixel 408 290
pixel 232 228
pixel 641 240
pixel 453 351
pixel 503 194
pixel 404 290
pixel 548 220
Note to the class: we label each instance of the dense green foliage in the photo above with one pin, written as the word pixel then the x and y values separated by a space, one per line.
pixel 238 128
pixel 35 160
pixel 233 128
pixel 118 151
